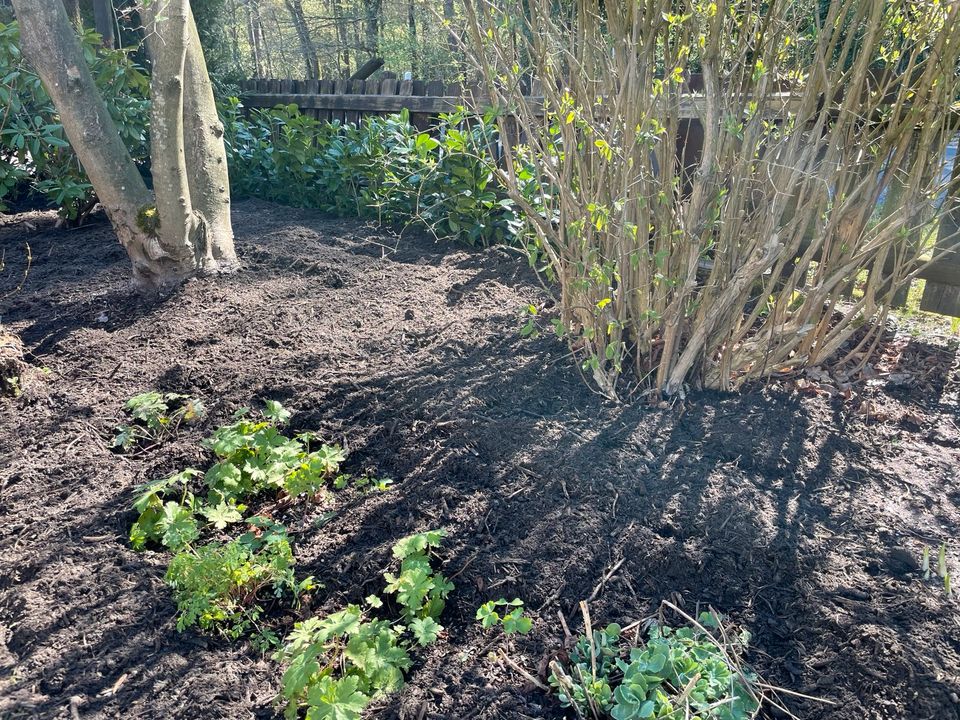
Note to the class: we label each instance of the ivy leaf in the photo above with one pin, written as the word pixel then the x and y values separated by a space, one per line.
pixel 425 630
pixel 221 515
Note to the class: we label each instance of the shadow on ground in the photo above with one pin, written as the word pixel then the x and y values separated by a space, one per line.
pixel 797 517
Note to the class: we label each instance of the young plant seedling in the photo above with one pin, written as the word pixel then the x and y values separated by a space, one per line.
pixel 254 458
pixel 155 417
pixel 512 620
pixel 220 586
pixel 677 673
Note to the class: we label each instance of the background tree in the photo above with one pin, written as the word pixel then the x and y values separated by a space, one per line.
pixel 183 228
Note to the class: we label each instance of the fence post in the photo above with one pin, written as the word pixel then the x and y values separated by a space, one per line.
pixel 940 297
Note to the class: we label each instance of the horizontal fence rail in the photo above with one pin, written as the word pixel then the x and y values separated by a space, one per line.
pixel 351 100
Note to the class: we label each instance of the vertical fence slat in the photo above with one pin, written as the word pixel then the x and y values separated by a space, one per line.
pixel 312 87
pixel 341 87
pixel 371 87
pixel 326 88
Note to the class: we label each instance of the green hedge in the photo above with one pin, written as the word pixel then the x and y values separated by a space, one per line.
pixel 383 168
pixel 35 156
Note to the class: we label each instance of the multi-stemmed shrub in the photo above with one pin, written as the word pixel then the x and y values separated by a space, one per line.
pixel 823 160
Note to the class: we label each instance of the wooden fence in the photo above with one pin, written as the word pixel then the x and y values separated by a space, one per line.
pixel 349 101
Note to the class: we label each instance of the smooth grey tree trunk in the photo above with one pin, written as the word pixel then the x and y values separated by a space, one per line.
pixel 184 227
pixel 105 19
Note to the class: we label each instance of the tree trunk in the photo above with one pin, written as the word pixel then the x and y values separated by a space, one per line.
pixel 253 41
pixel 371 26
pixel 105 20
pixel 186 230
pixel 186 146
pixel 51 46
pixel 258 41
pixel 73 12
pixel 207 175
pixel 307 48
pixel 343 50
pixel 412 29
pixel 453 40
pixel 234 37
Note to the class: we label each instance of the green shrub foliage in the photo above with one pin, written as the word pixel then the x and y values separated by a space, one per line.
pixel 383 168
pixel 34 151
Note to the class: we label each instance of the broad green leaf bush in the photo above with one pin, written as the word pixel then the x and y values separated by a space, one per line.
pixel 383 168
pixel 35 155
pixel 677 674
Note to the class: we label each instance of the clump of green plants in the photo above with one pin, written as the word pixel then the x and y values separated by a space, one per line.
pixel 677 674
pixel 362 482
pixel 253 457
pixel 336 665
pixel 220 587
pixel 384 168
pixel 156 416
pixel 420 592
pixel 512 619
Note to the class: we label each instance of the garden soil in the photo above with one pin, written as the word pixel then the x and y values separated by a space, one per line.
pixel 799 509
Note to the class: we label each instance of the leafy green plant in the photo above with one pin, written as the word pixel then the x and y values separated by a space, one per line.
pixel 675 675
pixel 363 482
pixel 220 586
pixel 155 416
pixel 335 665
pixel 367 653
pixel 254 457
pixel 942 570
pixel 384 168
pixel 512 620
pixel 420 592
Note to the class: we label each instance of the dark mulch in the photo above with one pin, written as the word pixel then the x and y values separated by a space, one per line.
pixel 799 510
